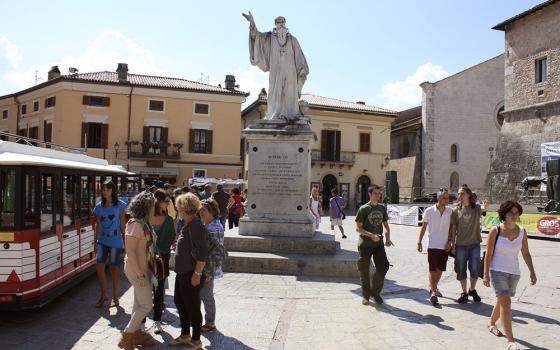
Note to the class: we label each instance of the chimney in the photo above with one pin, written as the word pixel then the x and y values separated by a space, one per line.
pixel 230 82
pixel 122 72
pixel 54 73
pixel 360 102
pixel 262 94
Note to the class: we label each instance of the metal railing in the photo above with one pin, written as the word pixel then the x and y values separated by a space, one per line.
pixel 36 143
pixel 344 157
pixel 147 149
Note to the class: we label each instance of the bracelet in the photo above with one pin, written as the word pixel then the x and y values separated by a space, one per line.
pixel 198 273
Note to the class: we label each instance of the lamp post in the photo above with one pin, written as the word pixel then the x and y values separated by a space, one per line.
pixel 116 151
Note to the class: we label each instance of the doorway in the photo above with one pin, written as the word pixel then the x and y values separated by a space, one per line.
pixel 363 184
pixel 329 182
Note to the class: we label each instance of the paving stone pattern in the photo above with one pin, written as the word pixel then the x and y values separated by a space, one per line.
pixel 288 312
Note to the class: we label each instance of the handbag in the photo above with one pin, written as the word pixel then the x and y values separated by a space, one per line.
pixel 481 270
pixel 343 216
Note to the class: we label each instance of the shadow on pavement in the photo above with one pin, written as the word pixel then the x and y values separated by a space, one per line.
pixel 218 340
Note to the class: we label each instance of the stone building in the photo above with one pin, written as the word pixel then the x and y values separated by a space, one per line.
pixel 352 147
pixel 406 152
pixel 159 127
pixel 532 96
pixel 460 126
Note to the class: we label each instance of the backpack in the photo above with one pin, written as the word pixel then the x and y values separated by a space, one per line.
pixel 216 255
pixel 233 208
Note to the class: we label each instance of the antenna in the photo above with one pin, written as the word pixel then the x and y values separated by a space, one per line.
pixel 204 78
pixel 37 77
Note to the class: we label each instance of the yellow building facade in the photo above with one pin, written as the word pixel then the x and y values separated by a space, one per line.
pixel 352 148
pixel 167 128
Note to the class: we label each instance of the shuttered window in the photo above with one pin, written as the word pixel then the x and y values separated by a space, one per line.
pixel 96 101
pixel 157 105
pixel 50 102
pixel 94 135
pixel 364 142
pixel 200 141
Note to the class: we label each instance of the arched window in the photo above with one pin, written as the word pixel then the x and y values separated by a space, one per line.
pixel 454 181
pixel 454 153
pixel 500 117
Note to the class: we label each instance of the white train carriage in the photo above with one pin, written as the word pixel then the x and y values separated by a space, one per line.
pixel 46 225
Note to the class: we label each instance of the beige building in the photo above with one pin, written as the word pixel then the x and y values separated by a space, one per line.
pixel 352 147
pixel 160 127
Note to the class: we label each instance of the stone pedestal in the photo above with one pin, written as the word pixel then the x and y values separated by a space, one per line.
pixel 279 164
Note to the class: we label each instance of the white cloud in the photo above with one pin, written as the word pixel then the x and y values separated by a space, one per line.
pixel 407 93
pixel 107 49
pixel 12 55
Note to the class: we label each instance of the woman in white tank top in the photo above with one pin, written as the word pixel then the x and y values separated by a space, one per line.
pixel 314 206
pixel 501 266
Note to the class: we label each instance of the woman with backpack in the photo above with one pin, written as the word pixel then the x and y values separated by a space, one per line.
pixel 210 215
pixel 164 227
pixel 140 249
pixel 501 266
pixel 234 208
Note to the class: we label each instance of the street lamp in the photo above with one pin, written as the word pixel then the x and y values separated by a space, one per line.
pixel 116 149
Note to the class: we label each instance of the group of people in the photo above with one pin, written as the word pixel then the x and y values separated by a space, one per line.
pixel 452 232
pixel 336 207
pixel 195 231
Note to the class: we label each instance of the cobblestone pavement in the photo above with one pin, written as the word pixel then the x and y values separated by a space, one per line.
pixel 288 312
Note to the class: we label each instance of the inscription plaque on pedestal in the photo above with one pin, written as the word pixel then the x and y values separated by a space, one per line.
pixel 278 181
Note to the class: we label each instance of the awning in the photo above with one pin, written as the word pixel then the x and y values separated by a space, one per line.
pixel 155 171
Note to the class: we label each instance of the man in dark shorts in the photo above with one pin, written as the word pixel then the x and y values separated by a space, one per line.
pixel 436 220
pixel 370 220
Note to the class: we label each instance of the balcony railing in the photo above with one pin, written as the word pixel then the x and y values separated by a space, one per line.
pixel 147 149
pixel 344 158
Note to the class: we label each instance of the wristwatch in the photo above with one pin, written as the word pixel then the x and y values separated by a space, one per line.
pixel 198 273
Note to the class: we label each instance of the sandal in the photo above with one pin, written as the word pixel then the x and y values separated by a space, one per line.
pixel 494 330
pixel 115 303
pixel 101 301
pixel 208 328
pixel 512 346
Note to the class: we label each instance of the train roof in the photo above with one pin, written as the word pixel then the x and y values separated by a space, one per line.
pixel 12 153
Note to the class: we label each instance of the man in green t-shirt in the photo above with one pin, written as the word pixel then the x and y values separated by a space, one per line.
pixel 370 220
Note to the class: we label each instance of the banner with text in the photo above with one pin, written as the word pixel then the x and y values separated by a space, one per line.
pixel 536 224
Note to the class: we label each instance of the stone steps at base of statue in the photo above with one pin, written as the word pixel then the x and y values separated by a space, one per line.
pixel 321 244
pixel 343 264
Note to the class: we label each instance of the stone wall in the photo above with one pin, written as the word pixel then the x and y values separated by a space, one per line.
pixel 461 110
pixel 532 110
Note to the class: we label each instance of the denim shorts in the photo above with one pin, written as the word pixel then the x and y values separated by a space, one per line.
pixel 467 255
pixel 504 283
pixel 112 253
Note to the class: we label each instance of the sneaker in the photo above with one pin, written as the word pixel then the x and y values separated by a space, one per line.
pixel 365 301
pixel 463 298
pixel 433 298
pixel 378 299
pixel 158 328
pixel 438 293
pixel 474 295
pixel 181 340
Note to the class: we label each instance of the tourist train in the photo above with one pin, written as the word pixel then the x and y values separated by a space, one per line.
pixel 47 237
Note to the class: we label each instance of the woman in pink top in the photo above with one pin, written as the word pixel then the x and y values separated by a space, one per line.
pixel 501 266
pixel 140 249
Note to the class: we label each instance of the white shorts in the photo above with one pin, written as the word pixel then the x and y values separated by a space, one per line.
pixel 336 222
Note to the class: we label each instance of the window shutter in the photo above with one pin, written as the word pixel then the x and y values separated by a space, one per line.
pixel 53 101
pixel 85 100
pixel 84 132
pixel 208 141
pixel 104 135
pixel 146 133
pixel 337 150
pixel 106 101
pixel 323 144
pixel 164 137
pixel 191 140
pixel 46 103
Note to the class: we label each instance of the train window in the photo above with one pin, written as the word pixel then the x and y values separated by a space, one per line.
pixel 98 183
pixel 69 200
pixel 30 199
pixel 85 198
pixel 47 203
pixel 7 198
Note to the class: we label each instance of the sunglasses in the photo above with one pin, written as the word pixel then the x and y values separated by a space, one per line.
pixel 443 189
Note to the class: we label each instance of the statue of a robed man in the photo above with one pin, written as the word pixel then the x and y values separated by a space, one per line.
pixel 279 53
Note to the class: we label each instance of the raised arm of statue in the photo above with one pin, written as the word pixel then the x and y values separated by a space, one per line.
pixel 252 27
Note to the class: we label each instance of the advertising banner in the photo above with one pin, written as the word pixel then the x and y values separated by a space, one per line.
pixel 536 224
pixel 549 151
pixel 403 214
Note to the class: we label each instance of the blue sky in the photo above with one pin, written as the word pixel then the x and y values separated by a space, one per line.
pixel 373 51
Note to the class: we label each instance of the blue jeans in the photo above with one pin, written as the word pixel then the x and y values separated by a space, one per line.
pixel 112 253
pixel 467 255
